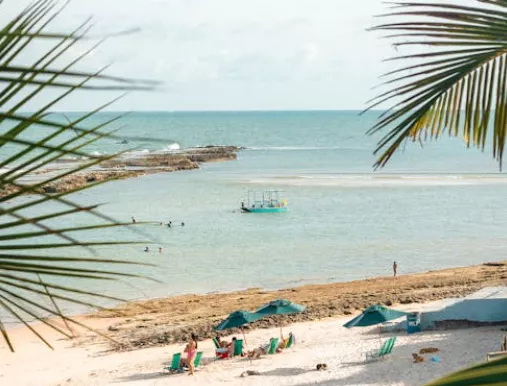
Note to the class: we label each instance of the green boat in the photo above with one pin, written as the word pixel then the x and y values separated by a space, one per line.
pixel 268 201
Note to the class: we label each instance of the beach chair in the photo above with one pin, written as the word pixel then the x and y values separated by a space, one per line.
pixel 175 364
pixel 238 347
pixel 385 349
pixel 273 346
pixel 197 360
pixel 215 341
pixel 390 347
pixel 289 343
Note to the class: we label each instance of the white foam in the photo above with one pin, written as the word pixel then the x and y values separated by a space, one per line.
pixel 172 146
pixel 295 148
pixel 378 180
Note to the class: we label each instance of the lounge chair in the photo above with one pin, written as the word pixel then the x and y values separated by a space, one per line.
pixel 175 364
pixel 273 346
pixel 197 360
pixel 215 341
pixel 289 343
pixel 391 346
pixel 385 349
pixel 238 347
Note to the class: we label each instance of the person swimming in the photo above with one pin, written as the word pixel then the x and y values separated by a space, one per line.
pixel 146 249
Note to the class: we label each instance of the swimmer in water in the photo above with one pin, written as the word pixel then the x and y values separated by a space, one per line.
pixel 146 249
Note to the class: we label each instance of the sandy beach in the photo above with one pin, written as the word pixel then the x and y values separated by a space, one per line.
pixel 317 342
pixel 93 361
pixel 169 320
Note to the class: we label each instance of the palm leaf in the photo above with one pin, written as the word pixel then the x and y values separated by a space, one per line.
pixel 29 263
pixel 489 373
pixel 458 87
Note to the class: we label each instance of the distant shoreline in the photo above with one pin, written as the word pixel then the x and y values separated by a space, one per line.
pixel 162 321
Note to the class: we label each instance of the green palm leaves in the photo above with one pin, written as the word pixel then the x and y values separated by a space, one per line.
pixel 39 266
pixel 489 373
pixel 458 86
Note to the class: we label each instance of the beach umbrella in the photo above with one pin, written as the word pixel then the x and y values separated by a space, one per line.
pixel 237 320
pixel 280 307
pixel 374 315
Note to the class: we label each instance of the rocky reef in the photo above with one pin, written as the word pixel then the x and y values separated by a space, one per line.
pixel 134 166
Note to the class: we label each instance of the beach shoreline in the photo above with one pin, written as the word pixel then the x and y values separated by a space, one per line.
pixel 157 322
pixel 149 332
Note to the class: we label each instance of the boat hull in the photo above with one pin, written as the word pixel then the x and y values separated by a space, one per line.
pixel 264 210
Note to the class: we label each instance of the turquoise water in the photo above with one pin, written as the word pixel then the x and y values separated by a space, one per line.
pixel 431 208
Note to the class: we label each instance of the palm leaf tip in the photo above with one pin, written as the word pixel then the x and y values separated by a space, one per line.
pixel 31 283
pixel 457 88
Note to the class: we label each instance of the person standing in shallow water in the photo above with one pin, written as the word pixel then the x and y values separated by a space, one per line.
pixel 395 269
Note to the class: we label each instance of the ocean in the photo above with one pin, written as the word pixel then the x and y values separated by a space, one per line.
pixel 433 207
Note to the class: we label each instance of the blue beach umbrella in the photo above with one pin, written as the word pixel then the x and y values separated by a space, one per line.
pixel 374 315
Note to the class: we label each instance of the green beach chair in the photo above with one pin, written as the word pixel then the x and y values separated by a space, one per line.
pixel 390 347
pixel 197 359
pixel 238 347
pixel 385 349
pixel 175 364
pixel 273 346
pixel 289 343
pixel 215 341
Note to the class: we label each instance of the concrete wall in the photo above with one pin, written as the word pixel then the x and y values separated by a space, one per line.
pixel 476 310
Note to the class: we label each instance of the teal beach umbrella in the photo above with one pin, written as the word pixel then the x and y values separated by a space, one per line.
pixel 237 319
pixel 374 315
pixel 280 307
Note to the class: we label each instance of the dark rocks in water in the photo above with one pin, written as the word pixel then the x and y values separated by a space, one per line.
pixel 49 189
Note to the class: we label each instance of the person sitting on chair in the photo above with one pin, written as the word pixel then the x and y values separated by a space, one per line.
pixel 256 353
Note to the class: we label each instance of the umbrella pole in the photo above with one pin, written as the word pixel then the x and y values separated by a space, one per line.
pixel 244 336
pixel 246 344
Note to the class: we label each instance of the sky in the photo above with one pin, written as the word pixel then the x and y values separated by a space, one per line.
pixel 234 54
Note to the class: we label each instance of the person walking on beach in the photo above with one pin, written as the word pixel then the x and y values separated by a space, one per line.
pixel 395 269
pixel 133 220
pixel 191 350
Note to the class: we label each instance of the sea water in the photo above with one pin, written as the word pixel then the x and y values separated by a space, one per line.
pixel 433 207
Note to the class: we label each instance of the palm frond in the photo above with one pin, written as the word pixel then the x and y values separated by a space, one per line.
pixel 458 87
pixel 29 263
pixel 489 373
